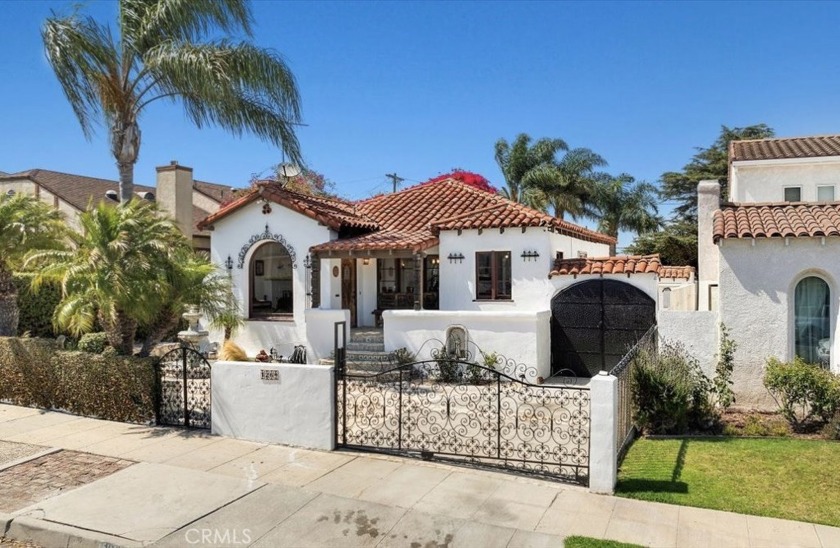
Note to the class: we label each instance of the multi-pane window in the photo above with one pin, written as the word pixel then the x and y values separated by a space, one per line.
pixel 825 193
pixel 793 194
pixel 492 275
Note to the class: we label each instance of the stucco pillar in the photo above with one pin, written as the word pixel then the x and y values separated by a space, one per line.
pixel 603 445
pixel 708 256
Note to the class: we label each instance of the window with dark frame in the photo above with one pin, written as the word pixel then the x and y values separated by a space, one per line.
pixel 492 275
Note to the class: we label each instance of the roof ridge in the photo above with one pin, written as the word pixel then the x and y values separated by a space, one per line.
pixel 823 136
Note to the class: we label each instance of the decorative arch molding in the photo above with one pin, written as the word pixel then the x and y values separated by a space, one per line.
pixel 266 236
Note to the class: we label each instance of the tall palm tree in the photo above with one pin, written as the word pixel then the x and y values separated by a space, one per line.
pixel 162 52
pixel 620 203
pixel 115 272
pixel 569 183
pixel 519 162
pixel 26 223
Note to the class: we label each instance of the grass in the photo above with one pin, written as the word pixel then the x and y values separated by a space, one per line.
pixel 782 478
pixel 587 542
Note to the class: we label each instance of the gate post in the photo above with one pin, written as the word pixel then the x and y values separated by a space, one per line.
pixel 186 388
pixel 603 448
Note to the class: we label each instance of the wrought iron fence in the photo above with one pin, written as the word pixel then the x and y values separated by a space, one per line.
pixel 183 389
pixel 474 407
pixel 625 430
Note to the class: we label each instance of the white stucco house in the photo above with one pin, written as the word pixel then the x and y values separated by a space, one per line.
pixel 425 259
pixel 769 258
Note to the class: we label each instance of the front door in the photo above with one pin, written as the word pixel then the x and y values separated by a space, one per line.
pixel 348 288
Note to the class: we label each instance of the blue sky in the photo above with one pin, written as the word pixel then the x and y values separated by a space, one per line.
pixel 422 87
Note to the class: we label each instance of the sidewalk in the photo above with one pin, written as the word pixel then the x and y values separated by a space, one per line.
pixel 132 485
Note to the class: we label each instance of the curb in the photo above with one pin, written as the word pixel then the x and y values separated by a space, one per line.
pixel 27 458
pixel 48 533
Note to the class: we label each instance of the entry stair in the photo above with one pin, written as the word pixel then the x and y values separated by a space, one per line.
pixel 366 353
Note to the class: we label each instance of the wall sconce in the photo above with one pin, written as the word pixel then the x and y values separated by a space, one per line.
pixel 365 261
pixel 307 262
pixel 456 257
pixel 229 263
pixel 528 255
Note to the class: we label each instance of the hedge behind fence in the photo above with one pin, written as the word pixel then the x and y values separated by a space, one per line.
pixel 36 309
pixel 34 372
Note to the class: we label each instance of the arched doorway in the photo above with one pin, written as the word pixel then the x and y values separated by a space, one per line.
pixel 595 322
pixel 271 282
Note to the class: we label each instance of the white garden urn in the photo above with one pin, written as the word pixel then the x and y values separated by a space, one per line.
pixel 194 335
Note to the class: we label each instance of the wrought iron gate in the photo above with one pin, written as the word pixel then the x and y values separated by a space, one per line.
pixel 488 411
pixel 595 322
pixel 183 389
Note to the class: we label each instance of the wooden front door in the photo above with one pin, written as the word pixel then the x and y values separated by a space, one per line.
pixel 348 288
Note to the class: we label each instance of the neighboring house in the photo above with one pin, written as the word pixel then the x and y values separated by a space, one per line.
pixel 769 256
pixel 425 260
pixel 186 200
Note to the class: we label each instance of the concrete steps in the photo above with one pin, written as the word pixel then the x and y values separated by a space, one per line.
pixel 366 352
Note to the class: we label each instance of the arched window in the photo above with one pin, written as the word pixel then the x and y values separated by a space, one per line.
pixel 812 320
pixel 271 280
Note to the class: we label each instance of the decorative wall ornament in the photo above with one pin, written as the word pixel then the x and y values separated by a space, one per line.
pixel 530 254
pixel 267 235
pixel 459 257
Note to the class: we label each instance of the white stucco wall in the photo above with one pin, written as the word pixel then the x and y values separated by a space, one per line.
pixel 233 232
pixel 756 302
pixel 320 331
pixel 297 409
pixel 697 330
pixel 523 336
pixel 764 181
pixel 531 288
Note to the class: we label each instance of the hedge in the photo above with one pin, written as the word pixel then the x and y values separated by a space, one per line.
pixel 35 372
pixel 36 309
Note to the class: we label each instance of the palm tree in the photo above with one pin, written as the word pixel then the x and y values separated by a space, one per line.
pixel 568 184
pixel 162 52
pixel 620 203
pixel 520 161
pixel 115 272
pixel 26 223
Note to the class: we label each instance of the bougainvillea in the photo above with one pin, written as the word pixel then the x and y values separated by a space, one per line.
pixel 468 178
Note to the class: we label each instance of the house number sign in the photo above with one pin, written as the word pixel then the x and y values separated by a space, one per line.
pixel 270 375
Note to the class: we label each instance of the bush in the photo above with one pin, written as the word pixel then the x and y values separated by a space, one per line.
pixel 669 392
pixel 723 370
pixel 37 373
pixel 232 352
pixel 832 429
pixel 449 367
pixel 403 356
pixel 807 394
pixel 94 343
pixel 36 309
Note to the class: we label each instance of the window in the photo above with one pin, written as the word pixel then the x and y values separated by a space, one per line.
pixel 666 298
pixel 825 193
pixel 812 323
pixel 492 275
pixel 793 194
pixel 271 282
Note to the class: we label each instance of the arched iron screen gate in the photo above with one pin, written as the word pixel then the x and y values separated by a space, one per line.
pixel 595 322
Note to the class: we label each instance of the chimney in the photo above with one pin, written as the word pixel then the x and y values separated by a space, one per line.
pixel 708 255
pixel 174 194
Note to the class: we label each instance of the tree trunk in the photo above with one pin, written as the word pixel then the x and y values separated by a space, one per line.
pixel 120 332
pixel 125 146
pixel 228 331
pixel 163 325
pixel 9 313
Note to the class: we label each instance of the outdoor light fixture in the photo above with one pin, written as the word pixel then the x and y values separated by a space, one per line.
pixel 528 255
pixel 455 257
pixel 365 261
pixel 307 262
pixel 229 263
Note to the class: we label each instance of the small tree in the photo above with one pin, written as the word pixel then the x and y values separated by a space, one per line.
pixel 229 316
pixel 723 370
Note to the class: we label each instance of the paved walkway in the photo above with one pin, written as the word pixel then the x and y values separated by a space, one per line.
pixel 194 489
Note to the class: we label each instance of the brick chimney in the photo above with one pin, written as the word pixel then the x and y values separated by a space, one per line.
pixel 708 255
pixel 174 194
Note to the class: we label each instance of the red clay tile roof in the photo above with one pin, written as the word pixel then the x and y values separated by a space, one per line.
pixel 79 191
pixel 331 212
pixel 792 147
pixel 776 220
pixel 622 264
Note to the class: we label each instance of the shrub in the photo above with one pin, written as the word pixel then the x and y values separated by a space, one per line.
pixel 807 394
pixel 449 367
pixel 94 343
pixel 670 394
pixel 832 429
pixel 36 373
pixel 403 356
pixel 724 395
pixel 232 352
pixel 36 308
pixel 476 373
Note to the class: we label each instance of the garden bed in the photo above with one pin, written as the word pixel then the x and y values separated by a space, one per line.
pixel 784 478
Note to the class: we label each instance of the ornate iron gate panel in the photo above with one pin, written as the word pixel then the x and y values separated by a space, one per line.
pixel 183 389
pixel 595 322
pixel 491 414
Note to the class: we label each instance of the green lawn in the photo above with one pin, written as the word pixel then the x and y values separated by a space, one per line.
pixel 783 478
pixel 587 542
